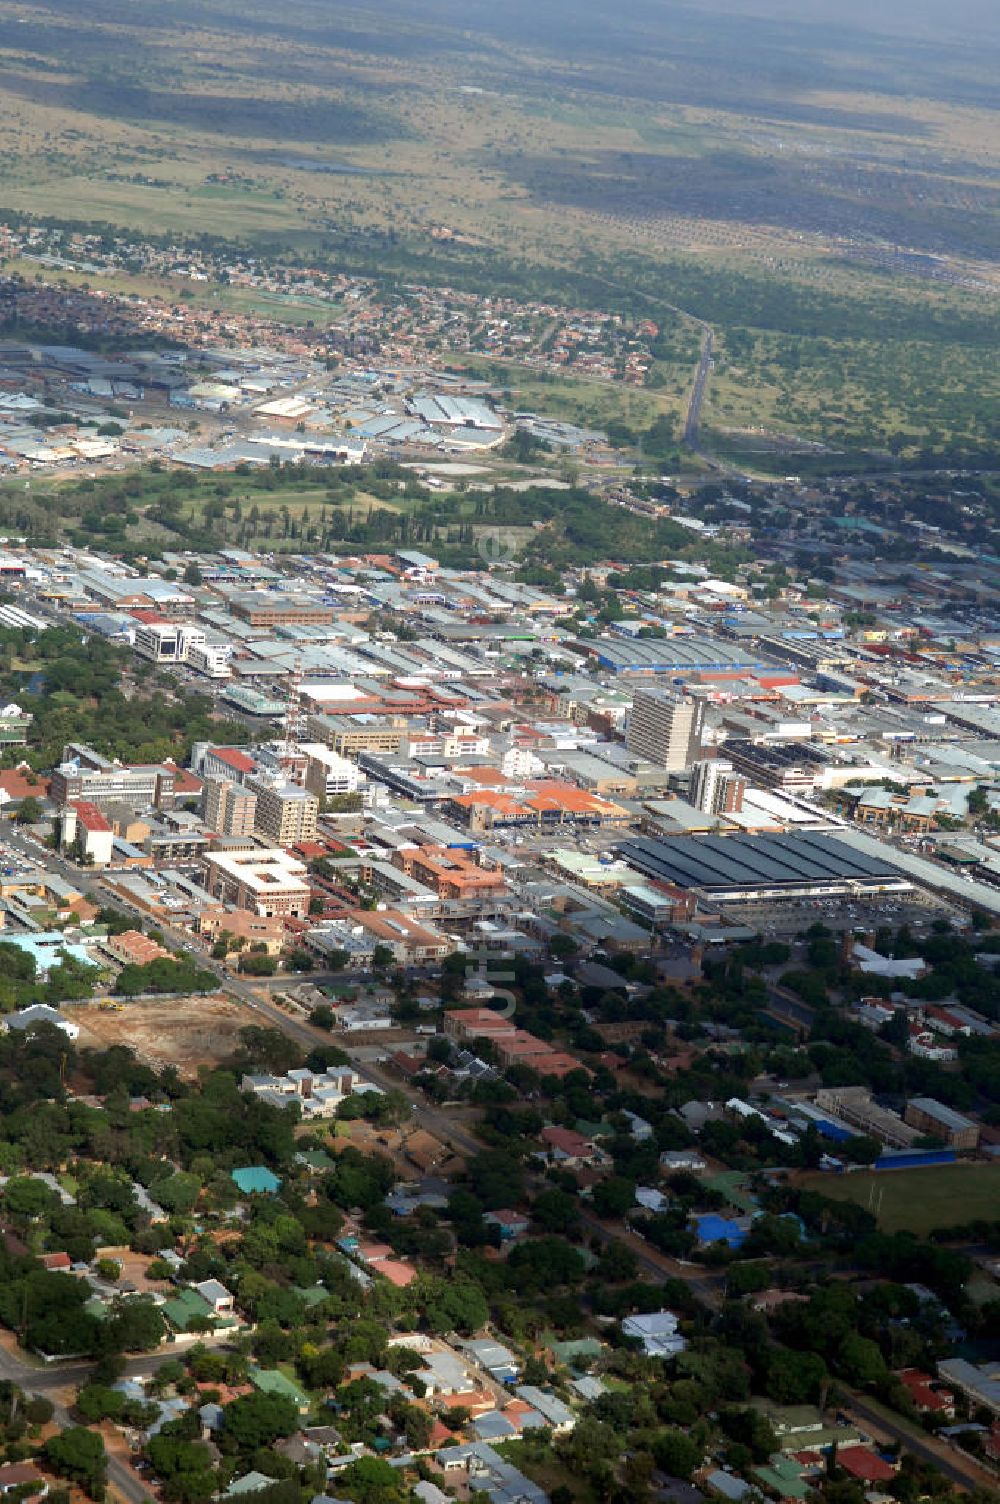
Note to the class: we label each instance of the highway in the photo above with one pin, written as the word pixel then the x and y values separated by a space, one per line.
pixel 692 422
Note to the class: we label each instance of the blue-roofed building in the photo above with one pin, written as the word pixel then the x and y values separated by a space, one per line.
pixel 711 1228
pixel 256 1180
pixel 47 948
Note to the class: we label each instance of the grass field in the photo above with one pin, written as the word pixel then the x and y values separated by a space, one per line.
pixel 919 1200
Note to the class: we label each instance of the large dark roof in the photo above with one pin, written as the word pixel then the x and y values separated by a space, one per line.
pixel 748 861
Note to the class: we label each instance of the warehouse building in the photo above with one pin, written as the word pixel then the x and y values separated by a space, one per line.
pixel 751 869
pixel 934 1118
pixel 704 656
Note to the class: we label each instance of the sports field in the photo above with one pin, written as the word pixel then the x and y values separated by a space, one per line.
pixel 918 1200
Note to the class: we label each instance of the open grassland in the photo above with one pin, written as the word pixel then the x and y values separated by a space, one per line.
pixel 578 399
pixel 918 1201
pixel 691 163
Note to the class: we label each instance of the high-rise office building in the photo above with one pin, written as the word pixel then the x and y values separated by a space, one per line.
pixel 285 813
pixel 665 728
pixel 229 808
pixel 716 788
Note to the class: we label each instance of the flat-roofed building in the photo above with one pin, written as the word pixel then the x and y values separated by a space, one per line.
pixel 665 729
pixel 167 641
pixel 328 774
pixel 351 734
pixel 279 610
pixel 270 883
pixel 86 774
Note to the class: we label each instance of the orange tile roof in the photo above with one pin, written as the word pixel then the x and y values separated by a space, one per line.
pixel 503 804
pixel 484 776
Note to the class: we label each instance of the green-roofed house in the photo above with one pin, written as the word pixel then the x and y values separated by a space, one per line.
pixel 582 1350
pixel 250 1483
pixel 272 1381
pixel 732 1185
pixel 187 1306
pixel 316 1160
pixel 782 1476
pixel 312 1295
pixel 256 1180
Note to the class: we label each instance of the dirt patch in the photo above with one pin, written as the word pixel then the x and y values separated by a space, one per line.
pixel 184 1032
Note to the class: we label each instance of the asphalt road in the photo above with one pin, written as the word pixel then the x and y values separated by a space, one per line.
pixel 692 422
pixel 126 1483
pixel 956 1468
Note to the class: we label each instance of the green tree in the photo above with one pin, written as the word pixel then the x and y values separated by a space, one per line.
pixel 257 1420
pixel 79 1455
pixel 372 1480
pixel 677 1453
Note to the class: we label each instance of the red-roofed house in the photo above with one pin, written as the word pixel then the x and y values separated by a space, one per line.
pixel 567 1147
pixel 22 783
pixel 25 1478
pixel 863 1464
pixel 440 1436
pixel 378 1258
pixel 925 1397
pixel 472 1023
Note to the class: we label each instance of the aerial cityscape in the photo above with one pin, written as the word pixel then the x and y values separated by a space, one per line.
pixel 499 753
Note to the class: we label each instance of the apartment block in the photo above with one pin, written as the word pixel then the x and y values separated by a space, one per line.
pixel 716 787
pixel 328 774
pixel 229 808
pixel 286 814
pixel 665 729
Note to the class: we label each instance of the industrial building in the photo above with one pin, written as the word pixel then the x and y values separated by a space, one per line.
pixel 940 1121
pixel 690 655
pixel 802 864
pixel 855 1105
